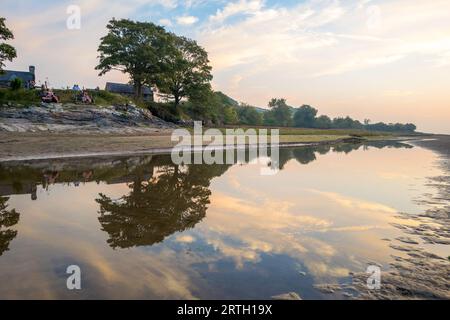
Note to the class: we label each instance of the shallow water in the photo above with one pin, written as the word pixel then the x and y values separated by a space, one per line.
pixel 140 227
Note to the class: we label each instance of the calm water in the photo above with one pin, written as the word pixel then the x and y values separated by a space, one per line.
pixel 141 227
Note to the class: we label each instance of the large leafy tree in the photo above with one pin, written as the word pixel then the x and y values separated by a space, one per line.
pixel 323 122
pixel 135 48
pixel 185 70
pixel 305 116
pixel 7 52
pixel 279 115
pixel 248 115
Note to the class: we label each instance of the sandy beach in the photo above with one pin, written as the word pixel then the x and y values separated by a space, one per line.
pixel 39 145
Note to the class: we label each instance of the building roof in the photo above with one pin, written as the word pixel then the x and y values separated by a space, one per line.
pixel 125 88
pixel 9 75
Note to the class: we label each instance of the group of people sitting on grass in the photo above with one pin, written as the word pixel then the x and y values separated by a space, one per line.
pixel 48 96
pixel 82 95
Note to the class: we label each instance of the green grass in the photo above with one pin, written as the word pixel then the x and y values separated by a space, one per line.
pixel 24 97
pixel 313 132
pixel 20 96
pixel 101 97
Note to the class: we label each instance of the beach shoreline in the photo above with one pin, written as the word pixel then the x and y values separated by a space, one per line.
pixel 37 146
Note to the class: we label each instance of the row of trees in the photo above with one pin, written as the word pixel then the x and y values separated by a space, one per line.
pixel 281 114
pixel 224 110
pixel 306 117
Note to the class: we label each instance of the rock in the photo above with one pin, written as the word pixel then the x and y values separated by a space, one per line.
pixel 71 117
pixel 327 288
pixel 287 296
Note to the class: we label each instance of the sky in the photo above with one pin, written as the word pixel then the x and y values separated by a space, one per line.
pixel 385 60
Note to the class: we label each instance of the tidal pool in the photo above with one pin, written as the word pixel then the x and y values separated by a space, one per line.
pixel 141 227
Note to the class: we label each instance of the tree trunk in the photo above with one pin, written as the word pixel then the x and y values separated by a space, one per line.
pixel 177 100
pixel 137 90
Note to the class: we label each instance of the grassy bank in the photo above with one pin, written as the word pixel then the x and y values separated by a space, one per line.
pixel 26 97
pixel 103 98
pixel 304 133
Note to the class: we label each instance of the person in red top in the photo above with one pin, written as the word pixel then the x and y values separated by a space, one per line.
pixel 50 97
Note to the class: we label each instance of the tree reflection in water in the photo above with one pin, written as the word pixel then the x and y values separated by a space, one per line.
pixel 175 200
pixel 8 219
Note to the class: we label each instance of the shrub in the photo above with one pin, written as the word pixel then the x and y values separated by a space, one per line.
pixel 21 96
pixel 16 84
pixel 166 111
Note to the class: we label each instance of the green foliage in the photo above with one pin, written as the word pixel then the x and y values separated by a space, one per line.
pixel 23 96
pixel 16 84
pixel 206 107
pixel 101 97
pixel 397 127
pixel 165 111
pixel 211 108
pixel 305 117
pixel 269 119
pixel 7 52
pixel 135 48
pixel 249 116
pixel 178 66
pixel 105 98
pixel 20 96
pixel 230 115
pixel 226 100
pixel 346 123
pixel 323 122
pixel 185 71
pixel 279 115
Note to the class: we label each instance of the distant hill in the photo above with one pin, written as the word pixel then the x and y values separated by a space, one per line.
pixel 226 99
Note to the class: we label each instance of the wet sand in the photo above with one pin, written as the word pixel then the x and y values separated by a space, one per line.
pixel 27 146
pixel 415 273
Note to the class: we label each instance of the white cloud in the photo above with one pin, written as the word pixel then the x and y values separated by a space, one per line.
pixel 186 20
pixel 195 3
pixel 286 39
pixel 165 22
pixel 238 7
pixel 358 63
pixel 171 4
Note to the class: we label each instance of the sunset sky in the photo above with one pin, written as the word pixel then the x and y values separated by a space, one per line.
pixel 383 60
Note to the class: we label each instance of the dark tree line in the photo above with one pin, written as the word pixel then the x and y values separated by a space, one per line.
pixel 281 114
